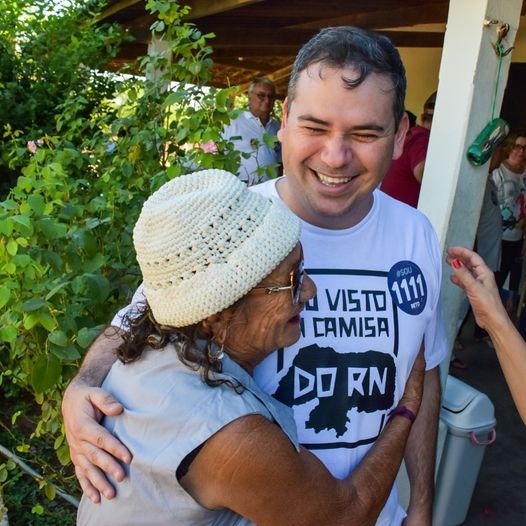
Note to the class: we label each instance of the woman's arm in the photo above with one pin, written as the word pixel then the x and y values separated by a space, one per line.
pixel 478 281
pixel 251 467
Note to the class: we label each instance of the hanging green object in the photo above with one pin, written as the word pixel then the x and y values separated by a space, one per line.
pixel 487 140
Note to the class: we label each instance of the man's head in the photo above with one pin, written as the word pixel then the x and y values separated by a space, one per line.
pixel 429 110
pixel 343 123
pixel 261 96
pixel 349 47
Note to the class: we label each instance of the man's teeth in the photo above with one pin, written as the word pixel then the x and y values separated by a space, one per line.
pixel 325 179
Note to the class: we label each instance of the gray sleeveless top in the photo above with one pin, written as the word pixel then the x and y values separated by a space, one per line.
pixel 169 412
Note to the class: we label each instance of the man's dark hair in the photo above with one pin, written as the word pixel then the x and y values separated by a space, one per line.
pixel 366 52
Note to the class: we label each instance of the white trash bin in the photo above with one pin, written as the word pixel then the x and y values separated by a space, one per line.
pixel 470 419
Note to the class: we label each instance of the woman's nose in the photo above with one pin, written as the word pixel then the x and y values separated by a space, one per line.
pixel 308 291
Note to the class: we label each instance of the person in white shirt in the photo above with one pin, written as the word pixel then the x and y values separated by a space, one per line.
pixel 252 132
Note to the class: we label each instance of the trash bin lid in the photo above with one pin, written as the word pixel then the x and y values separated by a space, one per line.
pixel 465 407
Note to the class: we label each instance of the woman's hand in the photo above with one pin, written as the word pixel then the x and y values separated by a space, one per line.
pixel 478 281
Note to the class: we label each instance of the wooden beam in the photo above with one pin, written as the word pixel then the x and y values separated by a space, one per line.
pixel 275 76
pixel 202 8
pixel 401 17
pixel 121 5
pixel 255 51
pixel 256 45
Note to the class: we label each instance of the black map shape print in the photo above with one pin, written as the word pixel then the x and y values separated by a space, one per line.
pixel 339 382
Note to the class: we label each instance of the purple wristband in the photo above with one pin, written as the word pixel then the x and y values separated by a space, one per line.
pixel 402 410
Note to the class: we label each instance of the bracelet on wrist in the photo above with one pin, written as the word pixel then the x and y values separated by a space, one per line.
pixel 402 410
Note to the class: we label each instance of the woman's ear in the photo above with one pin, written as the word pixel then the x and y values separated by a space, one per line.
pixel 215 326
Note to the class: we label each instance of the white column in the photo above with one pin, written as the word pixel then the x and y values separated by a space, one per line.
pixel 452 188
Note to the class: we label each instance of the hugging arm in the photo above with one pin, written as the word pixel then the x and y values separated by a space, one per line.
pixel 92 448
pixel 251 468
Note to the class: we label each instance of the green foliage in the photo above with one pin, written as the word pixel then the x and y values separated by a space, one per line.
pixel 66 249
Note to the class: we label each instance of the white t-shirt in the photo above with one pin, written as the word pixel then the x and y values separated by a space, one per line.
pixel 378 299
pixel 378 292
pixel 250 131
pixel 511 197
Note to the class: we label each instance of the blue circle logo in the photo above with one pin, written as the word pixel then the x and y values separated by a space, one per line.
pixel 407 287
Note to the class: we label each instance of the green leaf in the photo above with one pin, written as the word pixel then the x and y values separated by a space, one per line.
pixel 30 321
pixel 99 286
pixel 69 353
pixel 51 228
pixel 45 372
pixel 12 247
pixel 94 263
pixel 56 289
pixel 50 491
pixel 32 304
pixel 86 241
pixel 87 335
pixel 47 321
pixel 5 294
pixel 38 509
pixel 6 226
pixel 36 202
pixel 8 334
pixel 22 220
pixel 63 455
pixel 58 338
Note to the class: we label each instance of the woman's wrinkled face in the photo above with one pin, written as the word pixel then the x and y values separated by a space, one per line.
pixel 266 322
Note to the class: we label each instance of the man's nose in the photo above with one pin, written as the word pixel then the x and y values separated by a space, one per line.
pixel 336 152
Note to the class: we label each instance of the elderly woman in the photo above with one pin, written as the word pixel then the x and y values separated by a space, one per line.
pixel 224 287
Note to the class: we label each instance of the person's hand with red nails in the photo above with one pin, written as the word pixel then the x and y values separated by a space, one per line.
pixel 471 273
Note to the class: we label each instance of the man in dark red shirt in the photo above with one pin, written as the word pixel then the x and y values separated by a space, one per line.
pixel 404 177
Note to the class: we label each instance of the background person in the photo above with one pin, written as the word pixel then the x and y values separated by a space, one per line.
pixel 248 129
pixel 184 375
pixel 378 265
pixel 508 178
pixel 404 177
pixel 471 273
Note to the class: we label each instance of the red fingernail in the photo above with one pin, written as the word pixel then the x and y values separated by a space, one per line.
pixel 456 263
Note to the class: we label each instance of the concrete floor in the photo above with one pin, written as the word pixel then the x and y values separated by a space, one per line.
pixel 499 497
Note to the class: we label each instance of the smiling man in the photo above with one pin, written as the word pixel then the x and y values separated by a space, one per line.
pixel 375 261
pixel 377 266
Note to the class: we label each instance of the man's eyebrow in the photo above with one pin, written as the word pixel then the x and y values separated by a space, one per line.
pixel 311 118
pixel 361 127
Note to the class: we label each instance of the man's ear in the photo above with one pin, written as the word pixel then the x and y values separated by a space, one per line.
pixel 400 136
pixel 283 119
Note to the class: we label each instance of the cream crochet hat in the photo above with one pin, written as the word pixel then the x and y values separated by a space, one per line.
pixel 203 240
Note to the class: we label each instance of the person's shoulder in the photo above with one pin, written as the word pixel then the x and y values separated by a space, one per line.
pixel 267 188
pixel 417 134
pixel 399 211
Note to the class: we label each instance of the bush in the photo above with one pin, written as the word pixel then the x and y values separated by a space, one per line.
pixel 66 252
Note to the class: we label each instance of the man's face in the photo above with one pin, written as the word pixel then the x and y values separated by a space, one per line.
pixel 338 143
pixel 261 100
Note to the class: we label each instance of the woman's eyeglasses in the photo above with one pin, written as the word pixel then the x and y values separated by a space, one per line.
pixel 296 283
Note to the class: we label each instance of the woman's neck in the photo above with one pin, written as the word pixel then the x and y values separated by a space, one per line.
pixel 516 167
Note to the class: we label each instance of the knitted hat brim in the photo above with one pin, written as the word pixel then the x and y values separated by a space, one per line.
pixel 219 285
